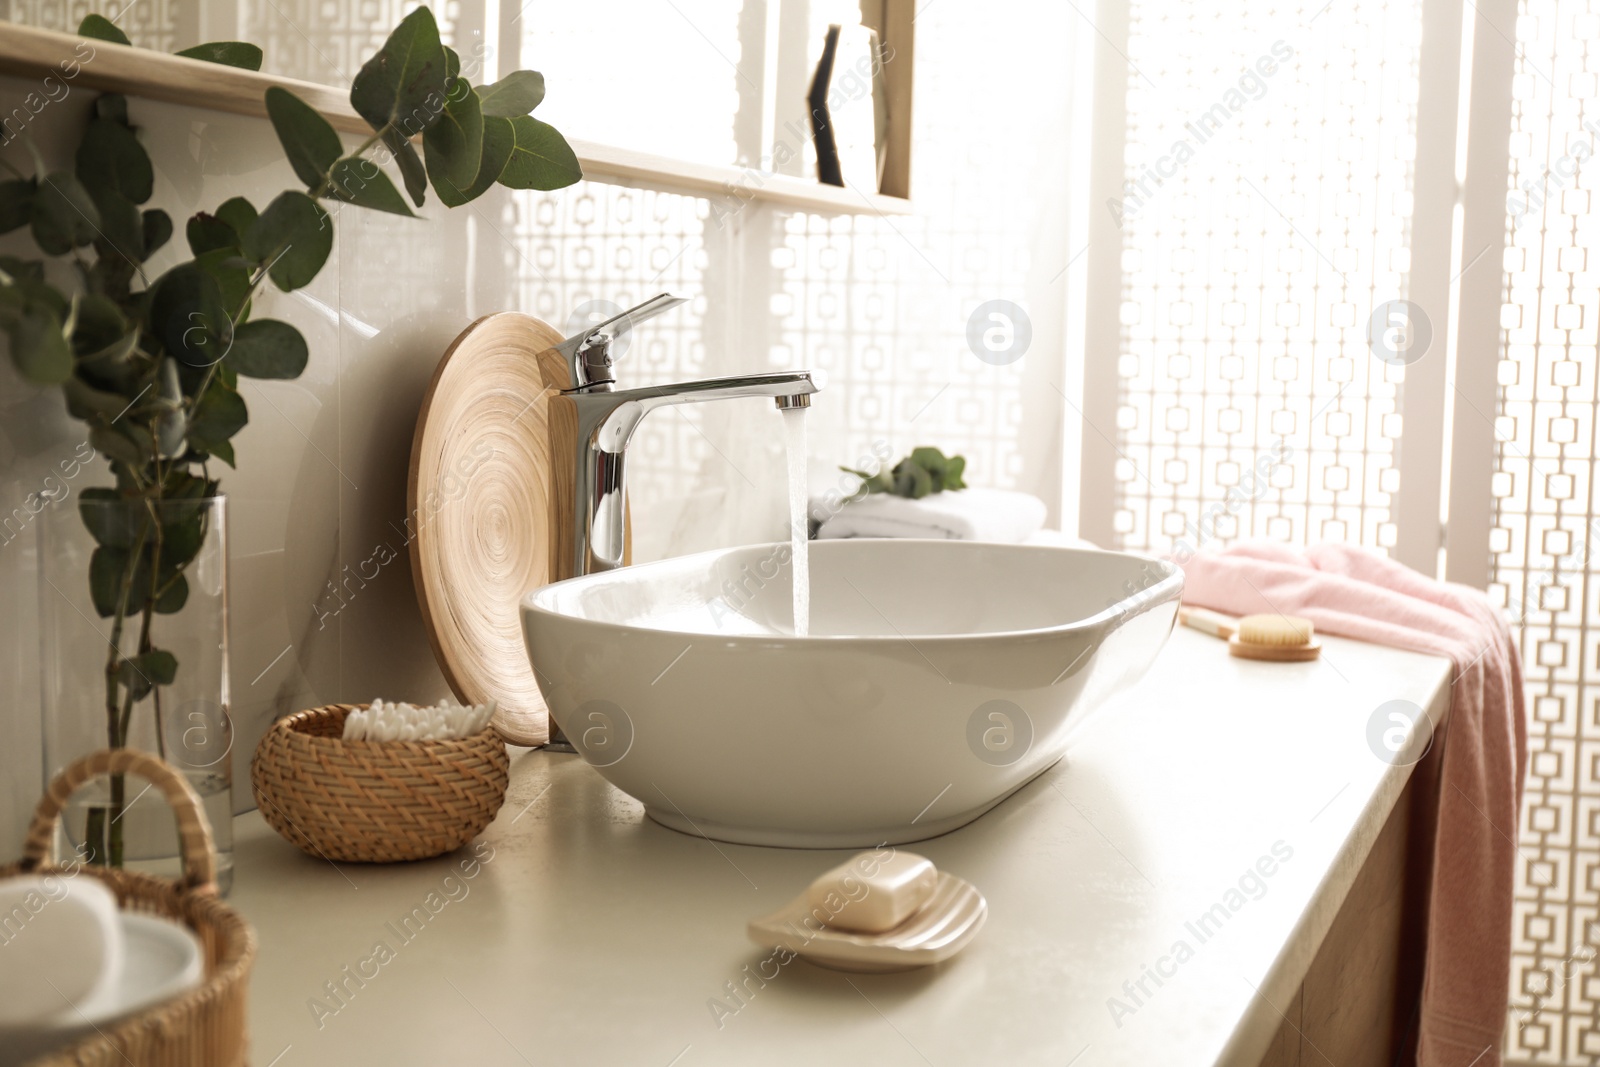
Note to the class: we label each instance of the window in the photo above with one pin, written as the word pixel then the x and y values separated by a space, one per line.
pixel 1266 385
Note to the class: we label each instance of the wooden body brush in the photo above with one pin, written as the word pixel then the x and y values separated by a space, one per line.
pixel 1281 638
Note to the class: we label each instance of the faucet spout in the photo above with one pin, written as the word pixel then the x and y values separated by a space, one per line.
pixel 602 423
pixel 619 411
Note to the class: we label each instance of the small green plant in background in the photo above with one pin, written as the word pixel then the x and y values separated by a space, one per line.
pixel 926 470
pixel 151 361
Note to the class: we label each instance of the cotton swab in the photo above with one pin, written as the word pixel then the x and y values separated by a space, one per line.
pixel 447 720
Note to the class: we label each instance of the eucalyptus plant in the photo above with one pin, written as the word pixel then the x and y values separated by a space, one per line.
pixel 150 359
pixel 925 470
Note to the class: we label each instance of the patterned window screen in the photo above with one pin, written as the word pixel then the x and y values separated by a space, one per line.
pixel 883 304
pixel 1266 214
pixel 1251 265
pixel 149 24
pixel 319 41
pixel 1545 523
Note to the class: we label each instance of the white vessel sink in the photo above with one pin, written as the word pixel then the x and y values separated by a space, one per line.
pixel 939 676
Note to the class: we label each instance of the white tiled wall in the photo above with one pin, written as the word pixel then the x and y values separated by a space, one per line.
pixel 881 304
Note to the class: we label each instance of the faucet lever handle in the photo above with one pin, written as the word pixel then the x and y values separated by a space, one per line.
pixel 592 370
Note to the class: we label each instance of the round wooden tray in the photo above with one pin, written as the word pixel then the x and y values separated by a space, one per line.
pixel 479 499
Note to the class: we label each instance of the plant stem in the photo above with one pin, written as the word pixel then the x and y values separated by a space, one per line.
pixel 149 611
pixel 116 720
pixel 94 834
pixel 114 827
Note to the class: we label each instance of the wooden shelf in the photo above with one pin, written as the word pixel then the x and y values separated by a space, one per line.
pixel 28 52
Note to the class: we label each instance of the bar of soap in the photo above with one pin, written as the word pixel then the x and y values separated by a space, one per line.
pixel 873 892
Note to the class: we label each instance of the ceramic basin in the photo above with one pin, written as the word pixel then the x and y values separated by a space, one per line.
pixel 938 677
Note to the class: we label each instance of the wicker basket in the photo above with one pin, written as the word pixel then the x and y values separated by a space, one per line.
pixel 207 1026
pixel 375 801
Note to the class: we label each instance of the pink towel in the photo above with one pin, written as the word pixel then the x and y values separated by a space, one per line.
pixel 1357 593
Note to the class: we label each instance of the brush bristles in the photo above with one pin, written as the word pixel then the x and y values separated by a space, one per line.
pixel 1275 630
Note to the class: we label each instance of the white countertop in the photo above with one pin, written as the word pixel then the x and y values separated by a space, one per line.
pixel 589 934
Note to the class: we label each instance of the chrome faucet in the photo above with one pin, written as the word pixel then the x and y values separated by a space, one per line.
pixel 591 423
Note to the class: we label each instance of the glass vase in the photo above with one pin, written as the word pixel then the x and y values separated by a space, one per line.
pixel 133 612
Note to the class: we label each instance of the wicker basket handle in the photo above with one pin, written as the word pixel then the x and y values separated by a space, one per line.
pixel 194 830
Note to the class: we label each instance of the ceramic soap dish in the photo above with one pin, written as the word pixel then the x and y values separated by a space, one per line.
pixel 943 926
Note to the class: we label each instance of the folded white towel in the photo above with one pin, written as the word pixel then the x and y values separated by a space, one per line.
pixel 954 515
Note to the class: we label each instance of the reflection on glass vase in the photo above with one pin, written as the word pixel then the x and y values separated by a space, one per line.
pixel 133 612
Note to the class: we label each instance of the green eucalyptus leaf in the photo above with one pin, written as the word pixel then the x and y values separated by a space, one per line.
pixel 116 447
pixel 223 451
pixel 912 481
pixel 108 567
pixel 309 142
pixel 16 203
pixel 295 236
pixel 453 146
pixel 231 272
pixel 100 323
pixel 238 213
pixel 125 379
pixel 38 348
pixel 113 355
pixel 174 596
pixel 157 227
pixel 360 182
pixel 411 169
pixel 219 415
pixel 121 230
pixel 107 516
pixel 84 401
pixel 452 67
pixel 498 140
pixel 110 155
pixel 185 500
pixel 140 674
pixel 27 273
pixel 541 157
pixel 187 315
pixel 102 29
pixel 268 348
pixel 64 215
pixel 925 470
pixel 113 107
pixel 181 542
pixel 120 445
pixel 207 233
pixel 514 95
pixel 403 85
pixel 161 666
pixel 228 53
